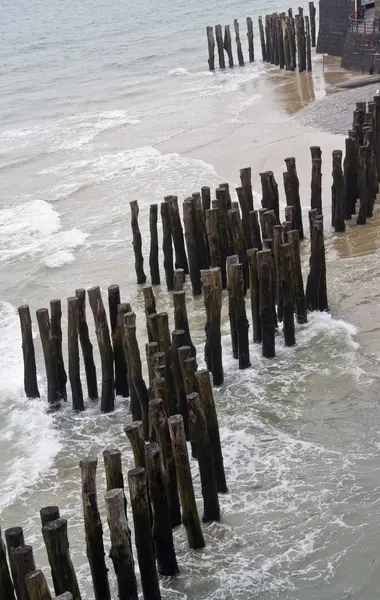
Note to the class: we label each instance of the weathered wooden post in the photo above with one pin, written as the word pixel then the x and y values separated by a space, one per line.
pixel 262 40
pixel 255 230
pixel 268 44
pixel 179 279
pixel 105 349
pixel 287 295
pixel 270 199
pixel 294 199
pixel 211 48
pixel 267 309
pixel 153 252
pixel 94 530
pixel 167 247
pixel 219 43
pixel 350 168
pixel 65 596
pixel 73 352
pixel 238 43
pixel 57 548
pixel 337 190
pixel 227 45
pixel 121 371
pixel 301 43
pixel 206 199
pixel 372 182
pixel 14 537
pixel 137 242
pixel 280 42
pixel 134 365
pixel 177 234
pixel 190 236
pixel 23 564
pixel 254 294
pixel 161 529
pixel 286 38
pixel 299 294
pixel 362 185
pixel 36 586
pixel 240 247
pixel 48 347
pixel 212 294
pixel 185 483
pixel 135 434
pixel 231 260
pixel 121 552
pixel 199 436
pixel 308 44
pixel 179 340
pixel 316 184
pixel 138 490
pixel 180 318
pixel 56 334
pixel 212 228
pixel 30 369
pixel 86 345
pixel 316 290
pixel 292 42
pixel 200 232
pixel 242 326
pixel 277 241
pixel 251 50
pixel 6 585
pixel 150 349
pixel 312 11
pixel 49 513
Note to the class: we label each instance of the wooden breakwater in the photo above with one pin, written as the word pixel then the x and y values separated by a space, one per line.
pixel 285 41
pixel 161 496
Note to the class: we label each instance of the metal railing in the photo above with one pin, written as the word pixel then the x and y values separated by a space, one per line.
pixel 364 23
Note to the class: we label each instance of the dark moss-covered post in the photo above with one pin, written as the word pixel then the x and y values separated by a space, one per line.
pixel 262 40
pixel 23 564
pixel 121 552
pixel 362 185
pixel 255 230
pixel 301 42
pixel 254 291
pixel 137 242
pixel 240 247
pixel 287 295
pixel 57 548
pixel 48 346
pixel 105 349
pixel 238 43
pixel 312 12
pixel 87 349
pixel 242 326
pixel 316 184
pixel 6 585
pixel 212 294
pixel 228 46
pixel 179 279
pixel 299 293
pixel 153 252
pixel 36 586
pixel 49 513
pixel 292 43
pixel 267 309
pixel 30 369
pixel 135 368
pixel 211 48
pixel 121 371
pixel 167 247
pixel 73 352
pixel 14 537
pixel 316 289
pixel 199 436
pixel 161 528
pixel 270 198
pixel 350 168
pixel 338 191
pixel 220 46
pixel 181 319
pixel 56 334
pixel 93 530
pixel 251 50
pixel 212 228
pixel 138 490
pixel 192 251
pixel 177 234
pixel 190 515
pixel 294 199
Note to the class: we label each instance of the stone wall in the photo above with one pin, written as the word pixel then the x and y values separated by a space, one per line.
pixel 361 52
pixel 333 25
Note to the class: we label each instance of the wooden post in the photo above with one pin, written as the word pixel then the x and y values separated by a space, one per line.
pixel 231 260
pixel 268 44
pixel 105 348
pixel 212 228
pixel 185 483
pixel 14 537
pixel 219 43
pixel 255 230
pixel 30 369
pixel 277 241
pixel 94 530
pixel 270 199
pixel 163 332
pixel 177 234
pixel 190 236
pixel 267 309
pixel 49 513
pixel 23 564
pixel 211 48
pixel 316 294
pixel 206 199
pixel 134 364
pixel 150 349
pixel 73 352
pixel 301 43
pixel 280 43
pixel 57 548
pixel 287 295
pixel 138 490
pixel 153 253
pixel 121 552
pixel 180 318
pixel 238 44
pixel 199 436
pixel 121 372
pixel 122 310
pixel 179 340
pixel 262 40
pixel 161 528
pixel 240 246
pixel 200 232
pixel 212 294
pixel 350 168
pixel 56 334
pixel 254 294
pixel 362 185
pixel 167 248
pixel 286 39
pixel 292 42
pixel 113 469
pixel 65 596
pixel 308 44
pixel 137 242
pixel 251 51
pixel 6 585
pixel 150 309
pixel 242 326
pixel 299 294
pixel 179 278
pixel 338 191
pixel 312 11
pixel 372 182
pixel 294 199
pixel 227 45
pixel 135 434
pixel 49 350
pixel 36 586
pixel 87 350
pixel 316 184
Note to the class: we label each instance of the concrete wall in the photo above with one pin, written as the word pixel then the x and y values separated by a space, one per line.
pixel 361 52
pixel 333 25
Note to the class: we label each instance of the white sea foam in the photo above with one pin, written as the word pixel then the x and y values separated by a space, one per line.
pixel 29 441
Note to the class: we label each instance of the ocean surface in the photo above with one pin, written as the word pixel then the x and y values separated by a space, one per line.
pixel 106 102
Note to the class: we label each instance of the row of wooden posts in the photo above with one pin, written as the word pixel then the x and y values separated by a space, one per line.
pixel 283 38
pixel 161 495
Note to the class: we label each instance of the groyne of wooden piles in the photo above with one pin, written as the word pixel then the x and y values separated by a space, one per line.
pixel 285 40
pixel 161 497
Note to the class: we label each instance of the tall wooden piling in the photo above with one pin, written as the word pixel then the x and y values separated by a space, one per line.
pixel 200 232
pixel 49 513
pixel 251 49
pixel 179 278
pixel 73 352
pixel 262 40
pixel 312 12
pixel 255 230
pixel 105 349
pixel 362 185
pixel 316 290
pixel 280 43
pixel 231 260
pixel 180 318
pixel 254 294
pixel 206 199
pixel 316 184
pixel 161 528
pixel 292 42
pixel 185 483
pixel 56 334
pixel 177 234
pixel 167 247
pixel 212 228
pixel 238 43
pixel 153 252
pixel 57 548
pixel 36 586
pixel 192 252
pixel 6 584
pixel 23 564
pixel 212 294
pixel 299 293
pixel 135 434
pixel 138 490
pixel 286 38
pixel 277 241
pixel 137 242
pixel 228 46
pixel 294 199
pixel 121 372
pixel 242 326
pixel 270 198
pixel 14 537
pixel 240 247
pixel 267 309
pixel 179 340
pixel 134 365
pixel 49 350
pixel 86 345
pixel 308 44
pixel 287 295
pixel 338 196
pixel 350 169
pixel 211 48
pixel 30 369
pixel 301 42
pixel 220 46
